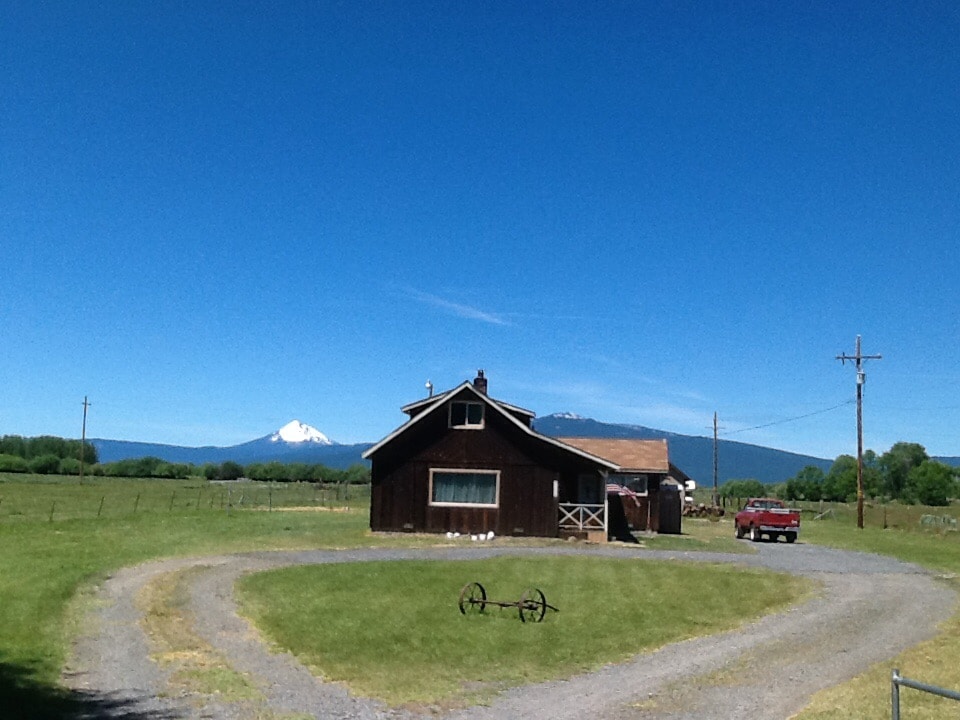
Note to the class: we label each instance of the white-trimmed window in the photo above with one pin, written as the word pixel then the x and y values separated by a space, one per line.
pixel 466 415
pixel 474 488
pixel 636 483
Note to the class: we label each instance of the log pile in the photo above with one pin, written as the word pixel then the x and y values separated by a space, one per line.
pixel 702 510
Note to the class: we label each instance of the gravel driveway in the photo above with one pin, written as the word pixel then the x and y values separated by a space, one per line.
pixel 870 609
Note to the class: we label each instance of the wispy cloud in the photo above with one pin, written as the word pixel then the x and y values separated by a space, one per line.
pixel 666 410
pixel 464 311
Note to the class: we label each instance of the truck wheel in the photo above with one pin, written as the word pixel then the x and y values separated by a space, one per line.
pixel 738 531
pixel 791 537
pixel 754 533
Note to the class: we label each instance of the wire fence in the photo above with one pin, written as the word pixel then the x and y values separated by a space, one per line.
pixel 918 518
pixel 69 500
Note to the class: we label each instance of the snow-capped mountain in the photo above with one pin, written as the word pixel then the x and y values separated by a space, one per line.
pixel 295 442
pixel 298 432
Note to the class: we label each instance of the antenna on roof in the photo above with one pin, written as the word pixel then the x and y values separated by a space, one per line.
pixel 429 387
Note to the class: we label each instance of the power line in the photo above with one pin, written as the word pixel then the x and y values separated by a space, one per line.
pixel 791 419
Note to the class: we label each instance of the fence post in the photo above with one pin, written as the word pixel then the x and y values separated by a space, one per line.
pixel 172 498
pixel 52 507
pixel 136 503
pixel 895 695
pixel 100 509
pixel 270 499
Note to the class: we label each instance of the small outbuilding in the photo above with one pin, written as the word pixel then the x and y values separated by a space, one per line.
pixel 465 462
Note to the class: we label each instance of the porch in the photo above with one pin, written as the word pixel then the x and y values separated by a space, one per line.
pixel 587 521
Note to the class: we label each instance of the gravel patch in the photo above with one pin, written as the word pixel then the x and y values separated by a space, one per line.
pixel 870 609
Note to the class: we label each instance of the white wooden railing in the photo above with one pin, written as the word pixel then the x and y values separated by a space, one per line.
pixel 582 517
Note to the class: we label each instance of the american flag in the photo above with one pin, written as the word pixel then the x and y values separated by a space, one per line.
pixel 622 491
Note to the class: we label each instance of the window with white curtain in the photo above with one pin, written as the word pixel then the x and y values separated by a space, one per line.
pixel 479 488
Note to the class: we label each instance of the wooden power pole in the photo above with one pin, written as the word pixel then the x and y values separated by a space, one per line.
pixel 858 359
pixel 716 489
pixel 83 437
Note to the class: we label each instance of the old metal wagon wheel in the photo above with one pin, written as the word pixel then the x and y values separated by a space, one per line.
pixel 473 598
pixel 533 605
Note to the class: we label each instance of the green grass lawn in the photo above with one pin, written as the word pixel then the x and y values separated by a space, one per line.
pixel 700 534
pixel 393 629
pixel 58 538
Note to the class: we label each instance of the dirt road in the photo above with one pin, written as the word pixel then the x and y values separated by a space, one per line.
pixel 869 610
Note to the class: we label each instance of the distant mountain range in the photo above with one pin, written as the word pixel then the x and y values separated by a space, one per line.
pixel 301 443
pixel 692 454
pixel 295 442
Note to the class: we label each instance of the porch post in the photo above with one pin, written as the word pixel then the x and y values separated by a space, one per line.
pixel 606 507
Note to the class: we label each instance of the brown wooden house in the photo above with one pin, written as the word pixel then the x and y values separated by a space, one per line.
pixel 465 462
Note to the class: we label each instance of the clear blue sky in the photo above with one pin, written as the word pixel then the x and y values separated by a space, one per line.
pixel 220 216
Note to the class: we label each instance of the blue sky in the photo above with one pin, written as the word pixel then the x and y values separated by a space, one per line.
pixel 217 217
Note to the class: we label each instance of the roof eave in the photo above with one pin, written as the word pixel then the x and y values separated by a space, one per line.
pixel 498 407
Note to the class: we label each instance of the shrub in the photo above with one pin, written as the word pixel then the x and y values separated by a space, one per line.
pixel 13 464
pixel 69 466
pixel 44 464
pixel 230 471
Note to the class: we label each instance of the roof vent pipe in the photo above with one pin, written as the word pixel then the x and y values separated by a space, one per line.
pixel 480 382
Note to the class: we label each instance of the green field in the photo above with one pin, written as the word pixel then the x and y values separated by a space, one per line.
pixel 33 498
pixel 59 539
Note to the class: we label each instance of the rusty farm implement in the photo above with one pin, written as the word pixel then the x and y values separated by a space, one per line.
pixel 531 606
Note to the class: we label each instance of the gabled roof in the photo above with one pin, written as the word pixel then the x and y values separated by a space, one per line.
pixel 416 407
pixel 644 456
pixel 505 410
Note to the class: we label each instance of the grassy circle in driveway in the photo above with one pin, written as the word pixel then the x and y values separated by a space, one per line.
pixel 393 630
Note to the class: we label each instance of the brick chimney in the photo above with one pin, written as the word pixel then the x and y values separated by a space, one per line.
pixel 480 382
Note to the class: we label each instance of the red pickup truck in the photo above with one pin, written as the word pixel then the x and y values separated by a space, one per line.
pixel 767 516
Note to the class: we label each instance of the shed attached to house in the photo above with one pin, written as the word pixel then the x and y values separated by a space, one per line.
pixel 642 465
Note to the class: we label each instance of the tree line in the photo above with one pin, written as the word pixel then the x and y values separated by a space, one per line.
pixel 44 455
pixel 49 455
pixel 904 473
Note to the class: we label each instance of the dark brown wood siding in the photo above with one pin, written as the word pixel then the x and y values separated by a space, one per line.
pixel 527 465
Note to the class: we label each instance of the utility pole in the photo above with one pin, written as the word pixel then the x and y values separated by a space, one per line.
pixel 858 358
pixel 716 489
pixel 83 436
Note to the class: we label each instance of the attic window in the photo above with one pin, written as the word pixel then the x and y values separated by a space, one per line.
pixel 466 415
